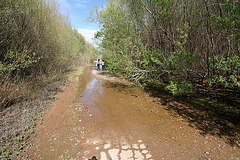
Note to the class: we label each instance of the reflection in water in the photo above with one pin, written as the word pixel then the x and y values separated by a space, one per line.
pixel 91 93
pixel 122 122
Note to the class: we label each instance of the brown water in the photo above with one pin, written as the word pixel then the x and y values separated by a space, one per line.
pixel 124 122
pixel 110 119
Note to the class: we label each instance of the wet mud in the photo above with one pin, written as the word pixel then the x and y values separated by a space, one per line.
pixel 110 119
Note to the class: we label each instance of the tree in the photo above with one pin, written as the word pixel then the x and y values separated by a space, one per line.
pixel 184 41
pixel 36 41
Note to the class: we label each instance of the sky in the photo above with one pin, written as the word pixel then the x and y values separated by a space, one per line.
pixel 78 11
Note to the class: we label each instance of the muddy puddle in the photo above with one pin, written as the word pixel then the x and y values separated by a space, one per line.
pixel 119 121
pixel 104 116
pixel 102 94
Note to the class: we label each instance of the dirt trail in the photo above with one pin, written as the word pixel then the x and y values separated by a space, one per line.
pixel 103 116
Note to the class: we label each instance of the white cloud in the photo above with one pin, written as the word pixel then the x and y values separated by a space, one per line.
pixel 64 3
pixel 87 33
pixel 80 3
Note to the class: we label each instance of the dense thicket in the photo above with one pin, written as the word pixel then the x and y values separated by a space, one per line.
pixel 37 43
pixel 182 41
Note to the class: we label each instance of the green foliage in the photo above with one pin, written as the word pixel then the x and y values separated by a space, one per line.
pixel 181 59
pixel 51 43
pixel 229 20
pixel 185 40
pixel 18 61
pixel 79 73
pixel 16 142
pixel 227 71
pixel 177 87
pixel 36 41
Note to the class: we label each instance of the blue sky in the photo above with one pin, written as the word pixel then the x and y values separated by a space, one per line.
pixel 78 11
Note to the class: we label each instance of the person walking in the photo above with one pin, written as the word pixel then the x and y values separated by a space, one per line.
pixel 103 65
pixel 98 64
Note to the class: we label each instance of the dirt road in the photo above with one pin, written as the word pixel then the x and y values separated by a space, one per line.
pixel 103 116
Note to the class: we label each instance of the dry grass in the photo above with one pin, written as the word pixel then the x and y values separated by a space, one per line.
pixel 10 91
pixel 25 107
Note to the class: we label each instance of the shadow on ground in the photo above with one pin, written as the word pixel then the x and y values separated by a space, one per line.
pixel 197 116
pixel 206 121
